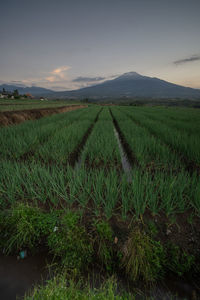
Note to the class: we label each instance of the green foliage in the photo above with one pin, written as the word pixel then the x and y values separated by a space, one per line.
pixel 142 257
pixel 152 228
pixel 179 261
pixel 59 288
pixel 71 243
pixel 104 242
pixel 24 226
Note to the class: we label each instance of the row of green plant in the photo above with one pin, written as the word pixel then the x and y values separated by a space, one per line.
pixel 106 193
pixel 149 151
pixel 26 137
pixel 186 145
pixel 59 147
pixel 78 243
pixel 189 124
pixel 101 149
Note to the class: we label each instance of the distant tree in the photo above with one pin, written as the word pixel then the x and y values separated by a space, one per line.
pixel 16 94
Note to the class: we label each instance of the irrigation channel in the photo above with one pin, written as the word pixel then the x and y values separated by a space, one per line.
pixel 18 276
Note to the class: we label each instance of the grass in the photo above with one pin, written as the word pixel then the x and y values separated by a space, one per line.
pixel 57 288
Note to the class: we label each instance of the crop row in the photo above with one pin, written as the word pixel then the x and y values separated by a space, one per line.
pixel 158 182
pixel 186 145
pixel 47 138
pixel 103 192
pixel 101 149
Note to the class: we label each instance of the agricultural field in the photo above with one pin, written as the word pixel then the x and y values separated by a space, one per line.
pixel 110 188
pixel 22 104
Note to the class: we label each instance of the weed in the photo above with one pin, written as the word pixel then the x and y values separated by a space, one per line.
pixel 71 243
pixel 142 257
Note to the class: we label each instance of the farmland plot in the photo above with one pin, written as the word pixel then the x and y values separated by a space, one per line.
pixel 66 169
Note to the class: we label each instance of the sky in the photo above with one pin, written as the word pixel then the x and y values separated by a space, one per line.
pixel 68 44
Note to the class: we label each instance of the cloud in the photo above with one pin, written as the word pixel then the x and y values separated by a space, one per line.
pixel 186 60
pixel 88 79
pixel 60 71
pixel 58 74
pixel 51 78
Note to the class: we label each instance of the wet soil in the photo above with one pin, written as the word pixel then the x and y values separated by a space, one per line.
pixel 15 117
pixel 17 277
pixel 126 148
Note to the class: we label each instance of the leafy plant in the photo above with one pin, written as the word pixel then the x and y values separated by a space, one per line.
pixel 24 226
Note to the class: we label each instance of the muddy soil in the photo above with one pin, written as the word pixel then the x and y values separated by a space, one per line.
pixel 17 277
pixel 15 117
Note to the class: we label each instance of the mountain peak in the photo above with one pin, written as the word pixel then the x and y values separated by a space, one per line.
pixel 130 75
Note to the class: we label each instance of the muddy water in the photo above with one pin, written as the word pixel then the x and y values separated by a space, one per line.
pixel 124 159
pixel 18 276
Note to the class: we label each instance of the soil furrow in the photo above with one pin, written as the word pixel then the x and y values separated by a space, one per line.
pixel 132 160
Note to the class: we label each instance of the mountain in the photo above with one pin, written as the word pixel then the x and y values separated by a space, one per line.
pixel 33 90
pixel 130 85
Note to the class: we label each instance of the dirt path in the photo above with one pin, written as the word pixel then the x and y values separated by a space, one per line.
pixel 15 117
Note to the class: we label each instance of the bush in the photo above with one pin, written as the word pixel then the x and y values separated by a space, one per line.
pixel 24 226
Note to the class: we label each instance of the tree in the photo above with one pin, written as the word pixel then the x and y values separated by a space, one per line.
pixel 16 94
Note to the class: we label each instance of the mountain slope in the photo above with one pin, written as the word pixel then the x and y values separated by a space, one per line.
pixel 133 84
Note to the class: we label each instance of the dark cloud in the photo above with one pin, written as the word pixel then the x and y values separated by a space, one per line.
pixel 185 60
pixel 88 79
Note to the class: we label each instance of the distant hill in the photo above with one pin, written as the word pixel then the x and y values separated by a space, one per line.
pixel 33 90
pixel 130 85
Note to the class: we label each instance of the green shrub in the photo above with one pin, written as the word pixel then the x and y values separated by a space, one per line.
pixel 142 257
pixel 24 226
pixel 71 243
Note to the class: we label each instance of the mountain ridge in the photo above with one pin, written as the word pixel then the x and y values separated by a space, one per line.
pixel 130 84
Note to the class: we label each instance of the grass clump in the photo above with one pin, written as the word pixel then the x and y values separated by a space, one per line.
pixel 71 243
pixel 142 257
pixel 24 226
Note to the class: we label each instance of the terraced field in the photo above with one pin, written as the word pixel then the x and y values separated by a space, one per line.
pixel 119 186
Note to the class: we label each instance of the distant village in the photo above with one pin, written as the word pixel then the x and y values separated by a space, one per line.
pixel 15 95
